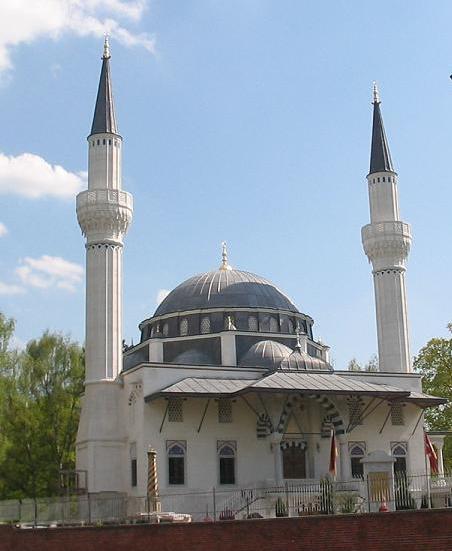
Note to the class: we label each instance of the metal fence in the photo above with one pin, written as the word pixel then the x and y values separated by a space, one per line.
pixel 292 499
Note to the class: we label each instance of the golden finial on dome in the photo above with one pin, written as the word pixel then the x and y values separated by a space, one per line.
pixel 224 257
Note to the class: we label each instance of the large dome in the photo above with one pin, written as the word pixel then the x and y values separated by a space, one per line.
pixel 225 288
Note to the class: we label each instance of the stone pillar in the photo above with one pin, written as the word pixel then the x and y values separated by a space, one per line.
pixel 228 351
pixel 438 441
pixel 344 459
pixel 275 439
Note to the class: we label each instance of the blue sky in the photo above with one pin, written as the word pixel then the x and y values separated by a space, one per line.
pixel 246 121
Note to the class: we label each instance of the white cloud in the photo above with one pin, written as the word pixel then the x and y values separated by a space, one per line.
pixel 3 229
pixel 161 295
pixel 32 176
pixel 23 21
pixel 6 289
pixel 50 271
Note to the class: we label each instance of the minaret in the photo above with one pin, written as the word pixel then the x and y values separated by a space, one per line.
pixel 386 241
pixel 104 213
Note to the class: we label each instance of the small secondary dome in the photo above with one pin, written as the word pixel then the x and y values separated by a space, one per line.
pixel 225 288
pixel 267 354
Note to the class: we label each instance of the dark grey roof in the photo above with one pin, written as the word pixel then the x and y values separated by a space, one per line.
pixel 225 289
pixel 380 156
pixel 104 113
pixel 305 383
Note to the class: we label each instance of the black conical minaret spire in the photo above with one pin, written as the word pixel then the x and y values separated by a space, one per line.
pixel 380 156
pixel 104 120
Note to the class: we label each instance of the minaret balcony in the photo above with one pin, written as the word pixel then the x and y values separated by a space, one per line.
pixel 104 214
pixel 387 240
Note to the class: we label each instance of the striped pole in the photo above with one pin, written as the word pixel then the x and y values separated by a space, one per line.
pixel 153 483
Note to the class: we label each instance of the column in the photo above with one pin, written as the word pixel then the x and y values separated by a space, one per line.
pixel 275 439
pixel 344 459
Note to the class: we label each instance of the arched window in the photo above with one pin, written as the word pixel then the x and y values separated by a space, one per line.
pixel 357 450
pixel 289 326
pixel 176 451
pixel 294 459
pixel 274 325
pixel 183 327
pixel 205 325
pixel 226 458
pixel 399 452
pixel 165 329
pixel 252 324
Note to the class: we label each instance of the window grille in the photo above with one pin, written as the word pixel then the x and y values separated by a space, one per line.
pixel 165 330
pixel 176 451
pixel 224 410
pixel 397 417
pixel 175 410
pixel 205 325
pixel 399 451
pixel 226 455
pixel 355 411
pixel 274 325
pixel 252 324
pixel 183 327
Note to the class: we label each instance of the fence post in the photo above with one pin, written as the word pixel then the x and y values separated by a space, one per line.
pixel 368 493
pixel 214 498
pixel 89 508
pixel 35 503
pixel 286 489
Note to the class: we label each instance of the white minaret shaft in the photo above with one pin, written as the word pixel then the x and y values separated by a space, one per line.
pixel 104 213
pixel 386 241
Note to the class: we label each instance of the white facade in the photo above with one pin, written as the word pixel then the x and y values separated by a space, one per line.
pixel 233 332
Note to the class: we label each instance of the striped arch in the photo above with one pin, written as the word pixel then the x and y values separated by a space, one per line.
pixel 285 414
pixel 263 426
pixel 332 413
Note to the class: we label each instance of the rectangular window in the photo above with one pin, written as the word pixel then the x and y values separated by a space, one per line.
pixel 176 470
pixel 224 410
pixel 227 470
pixel 397 417
pixel 175 411
pixel 133 472
pixel 357 467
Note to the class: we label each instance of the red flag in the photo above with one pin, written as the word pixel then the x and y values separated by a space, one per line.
pixel 333 454
pixel 431 454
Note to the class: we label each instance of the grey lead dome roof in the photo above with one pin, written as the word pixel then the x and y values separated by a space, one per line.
pixel 225 289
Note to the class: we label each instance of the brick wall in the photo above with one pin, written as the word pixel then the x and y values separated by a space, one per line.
pixel 407 530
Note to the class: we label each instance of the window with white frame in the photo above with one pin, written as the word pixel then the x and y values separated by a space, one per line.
pixel 183 327
pixel 357 450
pixel 227 451
pixel 175 410
pixel 399 450
pixel 176 452
pixel 205 325
pixel 397 417
pixel 225 410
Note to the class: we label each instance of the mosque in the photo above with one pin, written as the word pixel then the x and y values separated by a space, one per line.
pixel 228 386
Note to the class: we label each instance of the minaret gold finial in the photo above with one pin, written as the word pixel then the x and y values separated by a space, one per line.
pixel 106 48
pixel 375 93
pixel 224 257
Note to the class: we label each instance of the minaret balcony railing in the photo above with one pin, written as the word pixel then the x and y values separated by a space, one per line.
pixel 106 196
pixel 395 229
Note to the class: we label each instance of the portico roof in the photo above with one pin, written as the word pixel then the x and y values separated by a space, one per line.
pixel 287 382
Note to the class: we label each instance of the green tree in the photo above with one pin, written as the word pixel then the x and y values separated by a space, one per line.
pixel 39 412
pixel 371 365
pixel 434 363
